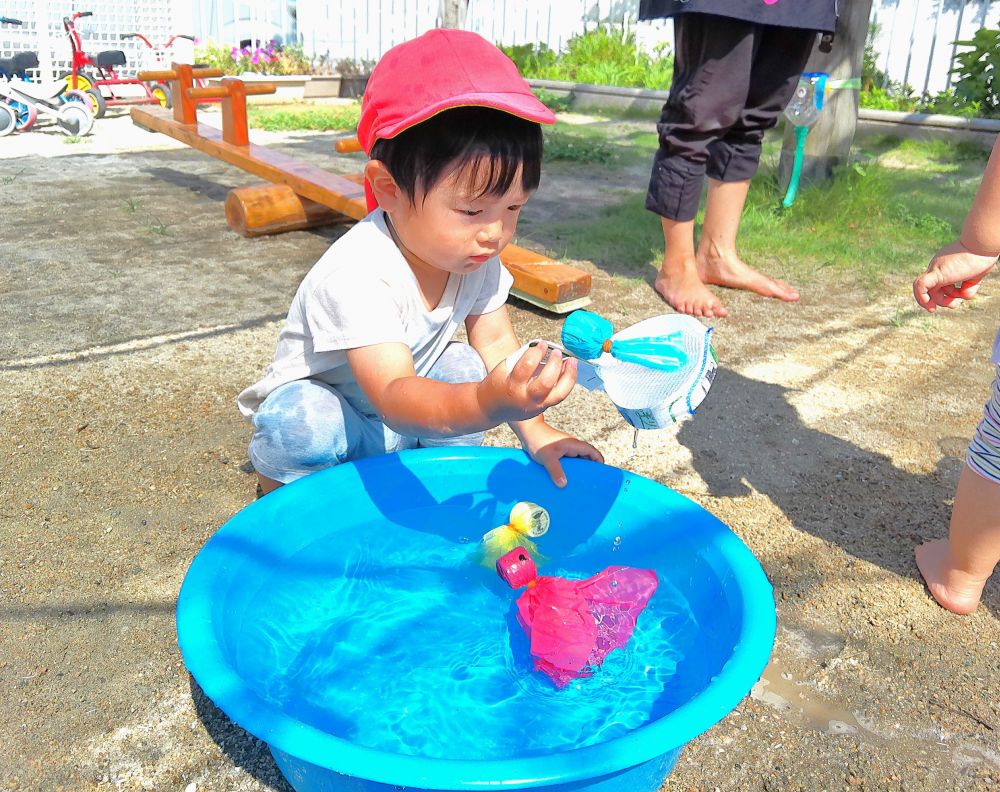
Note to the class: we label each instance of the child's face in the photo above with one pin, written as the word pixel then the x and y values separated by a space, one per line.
pixel 453 228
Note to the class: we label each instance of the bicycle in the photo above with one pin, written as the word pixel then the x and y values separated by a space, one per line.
pixel 107 78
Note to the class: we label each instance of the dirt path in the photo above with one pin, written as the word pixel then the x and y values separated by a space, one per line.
pixel 831 443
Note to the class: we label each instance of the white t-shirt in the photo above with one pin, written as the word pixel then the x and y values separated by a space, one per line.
pixel 362 292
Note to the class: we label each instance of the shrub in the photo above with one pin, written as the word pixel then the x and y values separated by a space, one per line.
pixel 977 72
pixel 969 98
pixel 605 56
pixel 557 104
pixel 271 58
pixel 348 67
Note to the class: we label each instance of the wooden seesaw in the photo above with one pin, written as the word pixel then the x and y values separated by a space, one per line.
pixel 303 196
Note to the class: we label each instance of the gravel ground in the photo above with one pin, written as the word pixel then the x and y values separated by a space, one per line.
pixel 831 443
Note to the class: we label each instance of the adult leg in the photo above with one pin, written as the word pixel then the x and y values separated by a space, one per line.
pixel 306 426
pixel 710 84
pixel 779 56
pixel 458 363
pixel 956 569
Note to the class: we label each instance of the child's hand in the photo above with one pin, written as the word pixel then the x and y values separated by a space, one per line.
pixel 519 394
pixel 547 446
pixel 953 274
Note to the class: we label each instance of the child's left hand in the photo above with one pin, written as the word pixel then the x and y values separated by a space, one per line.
pixel 547 446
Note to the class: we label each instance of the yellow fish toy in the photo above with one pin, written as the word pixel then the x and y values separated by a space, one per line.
pixel 527 521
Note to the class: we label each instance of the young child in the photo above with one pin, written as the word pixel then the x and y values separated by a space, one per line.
pixel 365 363
pixel 956 568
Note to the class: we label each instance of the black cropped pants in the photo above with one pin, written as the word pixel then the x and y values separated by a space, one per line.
pixel 732 79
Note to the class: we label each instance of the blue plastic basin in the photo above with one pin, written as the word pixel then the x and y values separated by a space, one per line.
pixel 297 616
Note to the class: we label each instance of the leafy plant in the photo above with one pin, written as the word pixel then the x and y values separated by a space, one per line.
pixel 271 58
pixel 950 103
pixel 878 98
pixel 8 179
pixel 871 75
pixel 555 103
pixel 977 72
pixel 349 67
pixel 606 55
pixel 531 59
pixel 879 92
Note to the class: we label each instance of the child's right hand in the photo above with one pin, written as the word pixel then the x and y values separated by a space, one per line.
pixel 953 274
pixel 519 395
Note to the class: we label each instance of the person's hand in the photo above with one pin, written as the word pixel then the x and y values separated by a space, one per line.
pixel 547 446
pixel 519 395
pixel 954 274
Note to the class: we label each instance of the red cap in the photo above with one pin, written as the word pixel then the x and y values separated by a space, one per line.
pixel 437 71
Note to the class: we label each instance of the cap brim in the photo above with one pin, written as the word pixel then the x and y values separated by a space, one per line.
pixel 520 105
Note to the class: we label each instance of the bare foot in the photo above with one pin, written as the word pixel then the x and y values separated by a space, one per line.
pixel 686 294
pixel 955 590
pixel 734 273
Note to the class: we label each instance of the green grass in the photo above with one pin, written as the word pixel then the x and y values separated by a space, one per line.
pixel 870 221
pixel 8 178
pixel 885 213
pixel 936 156
pixel 320 118
pixel 579 144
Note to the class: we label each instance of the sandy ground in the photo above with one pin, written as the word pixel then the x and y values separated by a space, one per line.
pixel 131 316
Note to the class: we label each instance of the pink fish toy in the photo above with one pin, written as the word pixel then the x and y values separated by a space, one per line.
pixel 572 625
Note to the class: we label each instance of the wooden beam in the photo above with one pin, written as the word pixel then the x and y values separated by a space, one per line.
pixel 311 182
pixel 347 145
pixel 537 278
pixel 274 209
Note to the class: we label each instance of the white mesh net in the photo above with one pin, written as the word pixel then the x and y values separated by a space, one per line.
pixel 649 398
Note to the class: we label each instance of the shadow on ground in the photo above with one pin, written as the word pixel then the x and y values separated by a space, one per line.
pixel 749 438
pixel 243 749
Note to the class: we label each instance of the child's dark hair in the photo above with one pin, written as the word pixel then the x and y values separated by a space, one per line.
pixel 460 138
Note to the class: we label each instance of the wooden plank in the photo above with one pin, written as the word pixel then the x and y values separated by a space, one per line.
pixel 274 209
pixel 535 275
pixel 311 182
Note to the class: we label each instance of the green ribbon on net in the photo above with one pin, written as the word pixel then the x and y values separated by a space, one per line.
pixel 850 83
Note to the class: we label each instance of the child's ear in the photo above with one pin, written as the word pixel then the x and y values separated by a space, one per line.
pixel 384 187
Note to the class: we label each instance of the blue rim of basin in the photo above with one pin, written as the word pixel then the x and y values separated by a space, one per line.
pixel 229 691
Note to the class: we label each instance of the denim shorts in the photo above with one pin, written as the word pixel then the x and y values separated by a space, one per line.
pixel 307 425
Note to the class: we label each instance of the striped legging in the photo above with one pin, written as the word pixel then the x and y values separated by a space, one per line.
pixel 984 450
